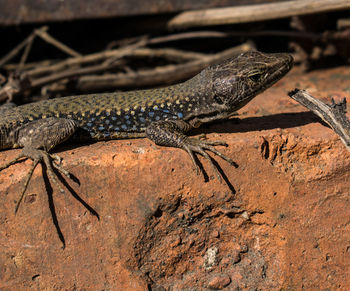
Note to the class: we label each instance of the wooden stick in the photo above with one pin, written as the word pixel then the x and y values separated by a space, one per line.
pixel 251 13
pixel 333 114
pixel 25 54
pixel 49 39
pixel 72 73
pixel 116 54
pixel 19 47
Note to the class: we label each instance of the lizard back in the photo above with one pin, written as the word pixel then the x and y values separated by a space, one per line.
pixel 107 115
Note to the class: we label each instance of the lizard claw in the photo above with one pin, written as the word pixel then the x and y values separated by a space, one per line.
pixel 56 158
pixel 192 145
pixel 50 160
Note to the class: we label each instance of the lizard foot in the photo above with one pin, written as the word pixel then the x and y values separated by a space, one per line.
pixel 192 145
pixel 50 160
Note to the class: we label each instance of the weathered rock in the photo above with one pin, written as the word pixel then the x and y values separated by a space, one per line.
pixel 219 281
pixel 280 222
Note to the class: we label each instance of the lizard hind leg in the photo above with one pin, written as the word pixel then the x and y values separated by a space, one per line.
pixel 37 138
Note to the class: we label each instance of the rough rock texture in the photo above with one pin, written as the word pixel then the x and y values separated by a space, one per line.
pixel 281 220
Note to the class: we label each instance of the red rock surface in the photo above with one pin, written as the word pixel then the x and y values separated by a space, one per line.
pixel 282 222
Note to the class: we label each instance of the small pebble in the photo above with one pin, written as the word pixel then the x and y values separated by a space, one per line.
pixel 215 234
pixel 218 282
pixel 236 256
pixel 176 242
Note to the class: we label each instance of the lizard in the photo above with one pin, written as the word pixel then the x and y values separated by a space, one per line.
pixel 164 115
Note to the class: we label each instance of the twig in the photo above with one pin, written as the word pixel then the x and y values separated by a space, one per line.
pixel 29 66
pixel 162 75
pixel 332 114
pixel 49 39
pixel 15 86
pixel 251 13
pixel 166 53
pixel 25 54
pixel 187 35
pixel 71 62
pixel 169 38
pixel 171 54
pixel 20 46
pixel 27 44
pixel 2 79
pixel 343 23
pixel 128 50
pixel 72 73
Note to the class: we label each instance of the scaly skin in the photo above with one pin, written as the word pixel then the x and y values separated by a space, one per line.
pixel 163 115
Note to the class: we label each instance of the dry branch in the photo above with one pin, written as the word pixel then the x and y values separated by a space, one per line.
pixel 251 13
pixel 333 114
pixel 49 39
pixel 27 44
pixel 170 54
pixel 20 46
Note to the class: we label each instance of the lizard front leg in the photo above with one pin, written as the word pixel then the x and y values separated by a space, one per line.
pixel 171 133
pixel 37 138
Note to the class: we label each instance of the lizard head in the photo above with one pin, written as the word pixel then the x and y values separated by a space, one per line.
pixel 238 80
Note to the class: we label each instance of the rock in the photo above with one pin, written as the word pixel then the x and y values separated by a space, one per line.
pixel 158 218
pixel 218 282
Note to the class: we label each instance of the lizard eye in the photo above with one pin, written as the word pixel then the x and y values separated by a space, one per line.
pixel 255 77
